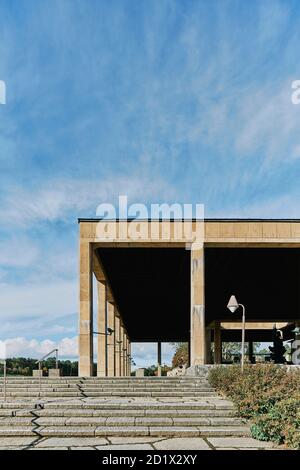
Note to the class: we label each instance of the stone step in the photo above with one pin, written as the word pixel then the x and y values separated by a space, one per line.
pixel 127 421
pixel 43 394
pixel 104 389
pixel 153 394
pixel 118 421
pixel 173 413
pixel 210 404
pixel 65 379
pixel 112 394
pixel 159 431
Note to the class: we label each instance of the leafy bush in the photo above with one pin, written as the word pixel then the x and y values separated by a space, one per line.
pixel 266 394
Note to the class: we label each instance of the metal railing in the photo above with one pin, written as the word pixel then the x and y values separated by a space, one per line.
pixel 40 361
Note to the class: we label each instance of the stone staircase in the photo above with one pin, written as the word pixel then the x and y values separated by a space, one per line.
pixel 120 406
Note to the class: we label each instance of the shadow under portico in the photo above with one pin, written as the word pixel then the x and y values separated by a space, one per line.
pixel 151 287
pixel 265 280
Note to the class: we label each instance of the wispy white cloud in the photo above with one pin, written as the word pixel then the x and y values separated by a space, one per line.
pixel 18 252
pixel 22 347
pixel 59 200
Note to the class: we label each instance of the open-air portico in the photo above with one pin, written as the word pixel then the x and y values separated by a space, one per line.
pixel 156 289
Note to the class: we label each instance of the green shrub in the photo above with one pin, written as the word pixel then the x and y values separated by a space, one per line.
pixel 266 394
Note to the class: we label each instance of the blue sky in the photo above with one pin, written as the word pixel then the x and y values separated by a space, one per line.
pixel 174 101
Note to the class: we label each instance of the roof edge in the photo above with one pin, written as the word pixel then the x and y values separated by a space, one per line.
pixel 187 220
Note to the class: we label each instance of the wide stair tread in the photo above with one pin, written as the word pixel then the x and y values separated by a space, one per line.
pixel 116 407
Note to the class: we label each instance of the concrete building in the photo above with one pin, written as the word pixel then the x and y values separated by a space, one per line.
pixel 155 289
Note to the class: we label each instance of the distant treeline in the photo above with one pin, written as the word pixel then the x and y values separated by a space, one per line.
pixel 25 366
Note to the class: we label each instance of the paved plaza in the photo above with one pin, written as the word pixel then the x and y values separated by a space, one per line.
pixel 133 443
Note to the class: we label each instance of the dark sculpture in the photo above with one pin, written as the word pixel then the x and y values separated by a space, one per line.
pixel 277 350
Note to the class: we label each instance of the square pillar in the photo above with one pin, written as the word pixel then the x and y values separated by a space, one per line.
pixel 129 359
pixel 85 311
pixel 121 351
pixel 117 346
pixel 197 307
pixel 101 328
pixel 111 340
pixel 124 353
pixel 218 343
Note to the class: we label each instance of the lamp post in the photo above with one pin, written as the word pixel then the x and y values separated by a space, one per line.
pixel 233 305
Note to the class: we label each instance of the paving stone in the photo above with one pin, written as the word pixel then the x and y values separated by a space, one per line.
pixel 82 448
pixel 182 443
pixel 13 448
pixel 47 448
pixel 122 431
pixel 173 431
pixel 132 440
pixel 71 442
pixel 239 442
pixel 126 447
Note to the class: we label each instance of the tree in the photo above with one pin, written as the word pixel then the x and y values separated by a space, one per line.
pixel 181 355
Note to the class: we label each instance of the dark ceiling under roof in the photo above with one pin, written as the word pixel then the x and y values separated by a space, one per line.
pixel 152 287
pixel 265 280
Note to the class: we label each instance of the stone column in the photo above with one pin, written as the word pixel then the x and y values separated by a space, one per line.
pixel 159 359
pixel 197 307
pixel 111 340
pixel 101 328
pixel 218 343
pixel 129 359
pixel 121 350
pixel 86 311
pixel 117 348
pixel 124 352
pixel 127 352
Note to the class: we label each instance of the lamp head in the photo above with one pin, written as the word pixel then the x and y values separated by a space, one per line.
pixel 233 304
pixel 109 331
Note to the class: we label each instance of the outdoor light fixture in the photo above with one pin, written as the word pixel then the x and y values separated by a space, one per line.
pixel 109 332
pixel 296 330
pixel 233 305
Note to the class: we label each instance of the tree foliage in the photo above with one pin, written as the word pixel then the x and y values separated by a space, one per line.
pixel 181 354
pixel 25 366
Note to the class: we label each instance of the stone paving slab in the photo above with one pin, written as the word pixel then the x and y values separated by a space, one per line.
pixel 182 443
pixel 52 448
pixel 133 440
pixel 239 442
pixel 121 431
pixel 126 447
pixel 71 442
pixel 82 448
pixel 17 441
